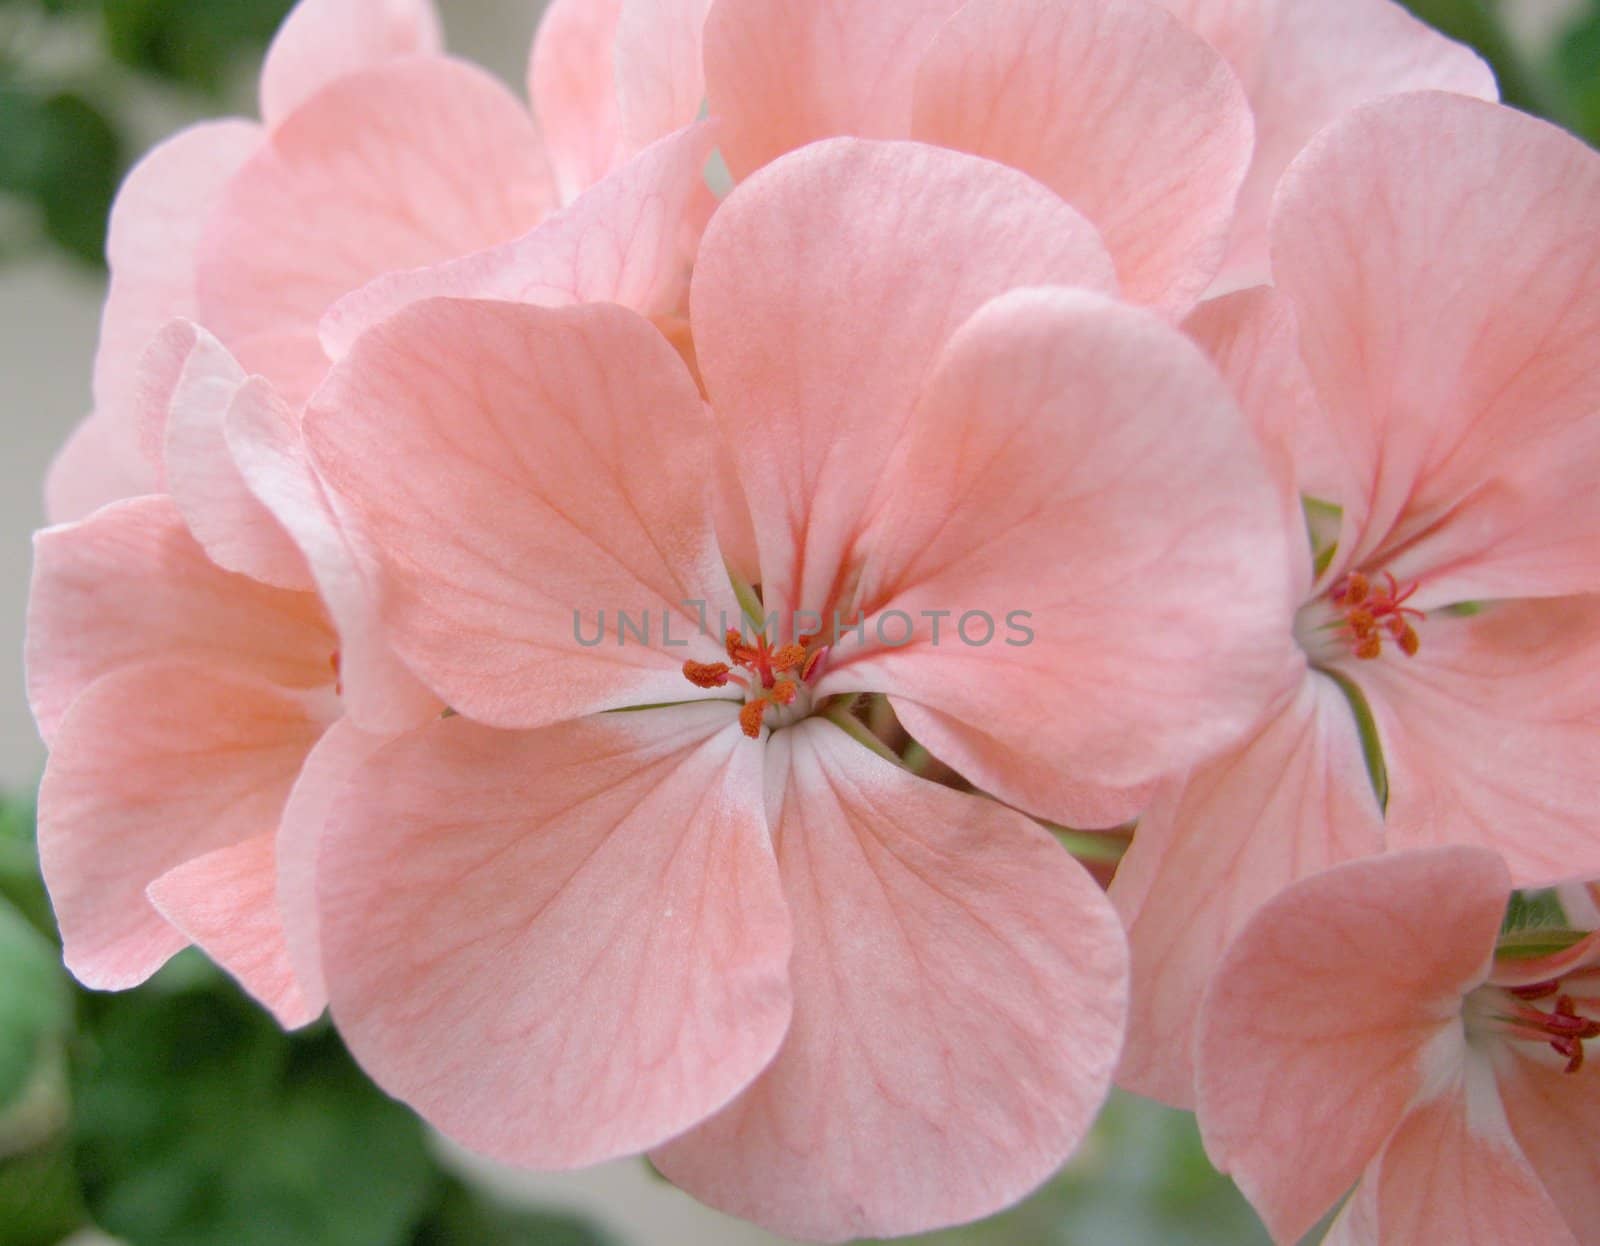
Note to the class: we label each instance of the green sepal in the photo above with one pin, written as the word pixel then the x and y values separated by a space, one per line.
pixel 1367 728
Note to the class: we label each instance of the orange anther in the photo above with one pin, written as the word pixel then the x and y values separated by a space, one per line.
pixel 784 691
pixel 788 658
pixel 706 674
pixel 1356 589
pixel 1368 646
pixel 750 717
pixel 1409 644
pixel 739 653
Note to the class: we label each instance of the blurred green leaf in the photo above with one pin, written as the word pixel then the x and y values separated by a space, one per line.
pixel 199 1123
pixel 464 1218
pixel 19 865
pixel 35 1002
pixel 39 1203
pixel 1474 22
pixel 1577 65
pixel 195 45
pixel 64 155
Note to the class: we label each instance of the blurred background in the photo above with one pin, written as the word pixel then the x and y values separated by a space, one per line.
pixel 178 1114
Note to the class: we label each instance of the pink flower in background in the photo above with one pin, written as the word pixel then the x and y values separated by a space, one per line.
pixel 1442 259
pixel 1362 1027
pixel 215 624
pixel 1118 105
pixel 185 667
pixel 827 995
pixel 377 153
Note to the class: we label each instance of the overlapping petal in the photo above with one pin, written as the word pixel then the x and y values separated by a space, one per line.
pixel 782 75
pixel 622 241
pixel 327 769
pixel 1444 258
pixel 528 478
pixel 1306 63
pixel 1114 105
pixel 959 986
pixel 1555 1117
pixel 237 532
pixel 323 40
pixel 817 325
pixel 560 946
pixel 399 166
pixel 130 584
pixel 120 805
pixel 1492 736
pixel 265 440
pixel 154 233
pixel 1289 800
pixel 1453 1172
pixel 1155 634
pixel 572 85
pixel 1332 1011
pixel 226 902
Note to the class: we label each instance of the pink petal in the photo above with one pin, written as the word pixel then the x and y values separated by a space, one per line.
pixel 1317 61
pixel 1291 799
pixel 519 471
pixel 152 246
pixel 1236 28
pixel 1492 736
pixel 1454 1173
pixel 619 242
pixel 129 584
pixel 1450 384
pixel 572 82
pixel 329 766
pixel 100 463
pixel 1253 339
pixel 226 902
pixel 817 321
pixel 1556 1118
pixel 1067 93
pixel 264 439
pixel 1158 634
pixel 1030 777
pixel 1326 1015
pixel 324 40
pixel 120 804
pixel 661 82
pixel 959 992
pixel 396 167
pixel 235 529
pixel 781 74
pixel 559 946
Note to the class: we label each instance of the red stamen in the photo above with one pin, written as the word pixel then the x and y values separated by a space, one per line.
pixel 1370 612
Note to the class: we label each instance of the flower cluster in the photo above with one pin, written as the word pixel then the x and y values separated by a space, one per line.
pixel 1237 358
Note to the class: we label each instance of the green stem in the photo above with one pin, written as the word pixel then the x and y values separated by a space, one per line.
pixel 840 715
pixel 749 601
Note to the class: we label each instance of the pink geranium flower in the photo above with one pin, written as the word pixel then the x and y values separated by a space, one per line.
pixel 644 890
pixel 207 619
pixel 1441 412
pixel 1364 1027
pixel 198 662
pixel 378 153
pixel 1120 106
